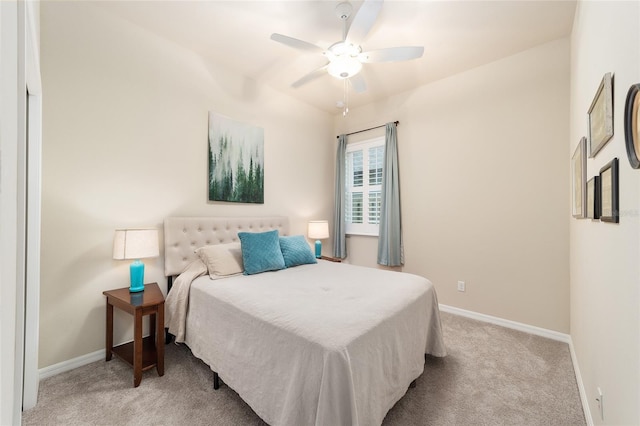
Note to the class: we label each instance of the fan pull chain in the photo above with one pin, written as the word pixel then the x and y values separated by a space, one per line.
pixel 345 98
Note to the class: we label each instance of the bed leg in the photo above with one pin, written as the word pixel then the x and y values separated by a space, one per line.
pixel 412 384
pixel 168 337
pixel 216 381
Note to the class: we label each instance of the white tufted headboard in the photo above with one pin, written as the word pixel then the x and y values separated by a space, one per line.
pixel 182 235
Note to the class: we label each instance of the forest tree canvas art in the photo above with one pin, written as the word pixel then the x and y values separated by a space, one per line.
pixel 236 161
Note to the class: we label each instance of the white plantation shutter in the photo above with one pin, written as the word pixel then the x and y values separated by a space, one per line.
pixel 363 184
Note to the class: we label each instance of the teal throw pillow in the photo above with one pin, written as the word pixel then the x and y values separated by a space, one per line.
pixel 296 251
pixel 260 252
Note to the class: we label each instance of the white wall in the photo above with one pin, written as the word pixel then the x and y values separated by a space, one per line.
pixel 483 173
pixel 605 272
pixel 125 144
pixel 484 169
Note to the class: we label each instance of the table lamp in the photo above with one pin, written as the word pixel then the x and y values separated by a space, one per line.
pixel 318 229
pixel 135 244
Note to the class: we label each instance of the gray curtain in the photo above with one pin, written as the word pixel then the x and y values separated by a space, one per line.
pixel 390 250
pixel 339 240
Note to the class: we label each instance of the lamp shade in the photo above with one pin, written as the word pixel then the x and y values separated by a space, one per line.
pixel 135 244
pixel 318 229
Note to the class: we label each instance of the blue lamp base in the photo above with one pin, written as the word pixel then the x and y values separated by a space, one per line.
pixel 136 272
pixel 318 249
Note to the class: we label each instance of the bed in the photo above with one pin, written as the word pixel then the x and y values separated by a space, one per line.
pixel 316 344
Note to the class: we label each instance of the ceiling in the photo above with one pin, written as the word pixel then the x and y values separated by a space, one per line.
pixel 456 35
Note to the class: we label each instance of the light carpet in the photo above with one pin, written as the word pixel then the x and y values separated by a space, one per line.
pixel 491 376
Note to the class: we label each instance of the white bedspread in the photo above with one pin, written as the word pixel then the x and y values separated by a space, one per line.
pixel 177 303
pixel 325 344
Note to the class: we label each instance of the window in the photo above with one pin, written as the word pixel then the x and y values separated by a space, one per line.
pixel 363 186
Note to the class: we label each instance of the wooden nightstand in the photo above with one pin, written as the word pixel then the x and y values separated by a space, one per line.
pixel 141 354
pixel 331 259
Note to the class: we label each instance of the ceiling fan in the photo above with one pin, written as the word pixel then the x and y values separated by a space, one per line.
pixel 345 57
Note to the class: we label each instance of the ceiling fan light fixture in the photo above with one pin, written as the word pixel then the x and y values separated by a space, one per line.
pixel 345 58
pixel 343 48
pixel 344 66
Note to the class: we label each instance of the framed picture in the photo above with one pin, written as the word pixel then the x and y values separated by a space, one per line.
pixel 578 179
pixel 236 161
pixel 601 116
pixel 632 125
pixel 609 192
pixel 593 198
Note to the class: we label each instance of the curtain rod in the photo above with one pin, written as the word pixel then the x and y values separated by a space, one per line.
pixel 366 130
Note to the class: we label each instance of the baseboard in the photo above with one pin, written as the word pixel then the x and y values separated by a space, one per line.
pixel 538 331
pixel 70 364
pixel 581 389
pixel 531 329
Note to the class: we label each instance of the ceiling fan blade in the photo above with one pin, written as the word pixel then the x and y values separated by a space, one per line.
pixel 319 72
pixel 363 21
pixel 392 54
pixel 295 43
pixel 358 83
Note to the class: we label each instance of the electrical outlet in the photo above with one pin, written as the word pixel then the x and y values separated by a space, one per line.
pixel 461 286
pixel 600 400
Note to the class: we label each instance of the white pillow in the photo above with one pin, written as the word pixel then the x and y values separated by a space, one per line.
pixel 222 260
